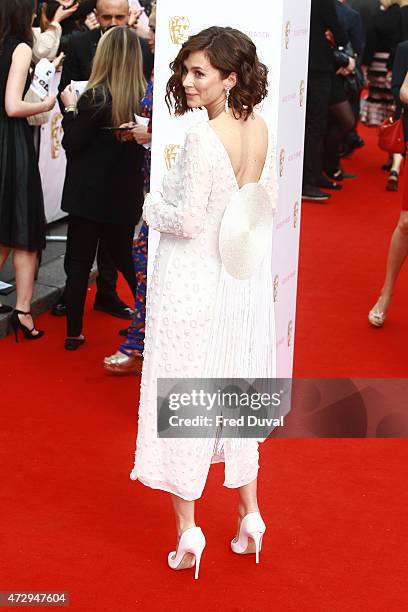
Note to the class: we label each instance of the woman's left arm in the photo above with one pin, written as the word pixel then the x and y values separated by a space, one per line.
pixel 180 209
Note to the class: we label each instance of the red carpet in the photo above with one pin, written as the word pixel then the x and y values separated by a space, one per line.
pixel 343 252
pixel 335 509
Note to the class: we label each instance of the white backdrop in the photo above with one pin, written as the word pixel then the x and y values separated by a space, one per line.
pixel 280 30
pixel 52 160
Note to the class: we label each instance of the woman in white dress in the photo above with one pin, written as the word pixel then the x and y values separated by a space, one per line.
pixel 210 300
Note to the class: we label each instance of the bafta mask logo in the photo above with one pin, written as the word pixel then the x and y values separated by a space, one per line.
pixel 170 154
pixel 287 34
pixel 290 332
pixel 295 215
pixel 282 162
pixel 275 288
pixel 179 29
pixel 301 93
pixel 56 135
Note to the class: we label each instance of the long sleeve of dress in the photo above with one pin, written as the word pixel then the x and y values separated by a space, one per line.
pixel 180 208
pixel 46 43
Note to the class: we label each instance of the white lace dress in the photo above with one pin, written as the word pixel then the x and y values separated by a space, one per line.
pixel 193 314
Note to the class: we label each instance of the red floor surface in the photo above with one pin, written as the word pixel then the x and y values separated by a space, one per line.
pixel 335 509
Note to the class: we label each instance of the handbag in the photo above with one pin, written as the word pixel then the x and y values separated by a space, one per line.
pixel 391 136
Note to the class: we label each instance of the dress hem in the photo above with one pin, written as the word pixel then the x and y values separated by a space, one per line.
pixel 161 487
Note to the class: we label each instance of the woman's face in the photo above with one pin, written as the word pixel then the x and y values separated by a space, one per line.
pixel 203 84
pixel 152 30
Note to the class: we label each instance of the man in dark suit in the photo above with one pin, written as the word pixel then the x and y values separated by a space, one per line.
pixel 319 89
pixel 77 67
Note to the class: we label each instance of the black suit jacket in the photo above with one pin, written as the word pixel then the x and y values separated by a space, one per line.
pixel 81 51
pixel 103 180
pixel 324 17
pixel 350 20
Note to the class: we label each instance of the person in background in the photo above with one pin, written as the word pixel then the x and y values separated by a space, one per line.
pixel 351 21
pixel 383 32
pixel 47 37
pixel 367 9
pixel 103 189
pixel 398 249
pixel 322 87
pixel 127 360
pixel 22 219
pixel 77 67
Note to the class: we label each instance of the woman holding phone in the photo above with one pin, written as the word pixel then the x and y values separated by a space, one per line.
pixel 103 190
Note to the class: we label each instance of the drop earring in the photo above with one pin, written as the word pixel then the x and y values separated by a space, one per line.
pixel 227 100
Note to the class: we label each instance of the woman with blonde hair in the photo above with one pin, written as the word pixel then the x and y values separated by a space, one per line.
pixel 103 190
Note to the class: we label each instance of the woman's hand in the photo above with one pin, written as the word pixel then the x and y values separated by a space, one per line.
pixel 68 96
pixel 348 69
pixel 125 136
pixel 63 13
pixel 58 60
pixel 91 21
pixel 141 135
pixel 49 103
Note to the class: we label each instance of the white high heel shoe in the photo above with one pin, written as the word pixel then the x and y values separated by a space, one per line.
pixel 252 527
pixel 192 541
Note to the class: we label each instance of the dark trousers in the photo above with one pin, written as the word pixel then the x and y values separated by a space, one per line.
pixel 106 279
pixel 82 242
pixel 317 110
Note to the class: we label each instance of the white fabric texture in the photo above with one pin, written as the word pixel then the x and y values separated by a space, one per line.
pixel 200 321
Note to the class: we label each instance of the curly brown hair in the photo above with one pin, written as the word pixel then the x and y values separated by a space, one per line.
pixel 228 50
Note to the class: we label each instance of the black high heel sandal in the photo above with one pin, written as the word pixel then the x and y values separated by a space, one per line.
pixel 17 325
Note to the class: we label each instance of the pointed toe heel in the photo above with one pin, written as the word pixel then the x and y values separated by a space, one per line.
pixel 249 539
pixel 192 541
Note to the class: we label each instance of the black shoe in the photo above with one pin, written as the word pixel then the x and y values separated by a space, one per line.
pixel 17 325
pixel 5 309
pixel 115 309
pixel 324 183
pixel 314 194
pixel 124 331
pixel 59 309
pixel 72 344
pixel 340 175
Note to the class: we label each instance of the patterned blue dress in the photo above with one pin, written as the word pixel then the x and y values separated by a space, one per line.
pixel 134 343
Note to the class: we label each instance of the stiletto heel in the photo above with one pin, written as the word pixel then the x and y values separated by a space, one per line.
pixel 192 541
pixel 252 528
pixel 16 325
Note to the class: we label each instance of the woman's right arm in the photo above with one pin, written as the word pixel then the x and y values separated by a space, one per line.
pixel 14 103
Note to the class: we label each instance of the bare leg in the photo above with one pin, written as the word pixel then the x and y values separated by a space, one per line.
pixel 396 162
pixel 248 502
pixel 396 256
pixel 184 513
pixel 4 253
pixel 24 264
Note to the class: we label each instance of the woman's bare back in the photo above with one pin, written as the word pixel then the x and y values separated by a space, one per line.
pixel 246 144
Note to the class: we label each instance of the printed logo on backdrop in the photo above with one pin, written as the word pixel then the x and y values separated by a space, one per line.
pixel 275 288
pixel 170 154
pixel 282 156
pixel 287 34
pixel 56 135
pixel 179 28
pixel 290 332
pixel 295 215
pixel 301 93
